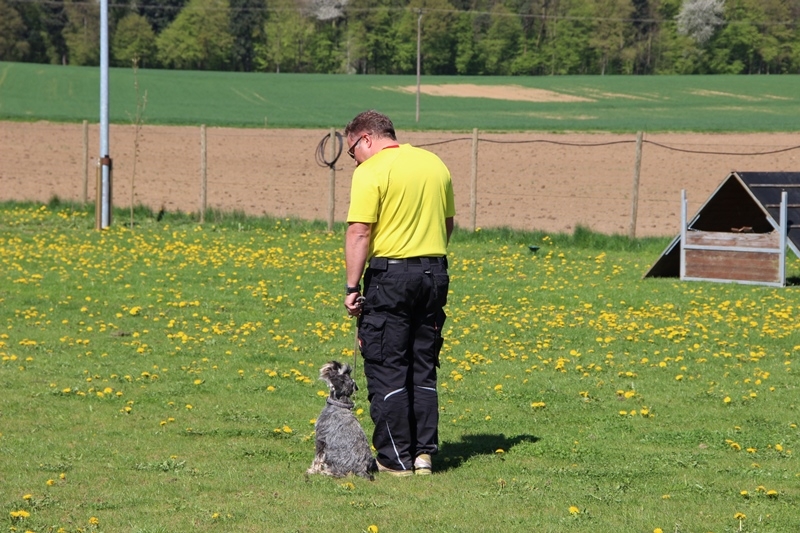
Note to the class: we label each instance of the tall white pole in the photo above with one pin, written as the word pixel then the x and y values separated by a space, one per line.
pixel 419 53
pixel 105 161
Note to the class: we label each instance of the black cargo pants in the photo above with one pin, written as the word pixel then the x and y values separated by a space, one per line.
pixel 400 337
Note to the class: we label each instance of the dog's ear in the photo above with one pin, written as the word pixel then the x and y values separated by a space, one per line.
pixel 327 371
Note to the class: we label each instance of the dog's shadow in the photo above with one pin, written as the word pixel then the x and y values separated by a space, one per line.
pixel 454 454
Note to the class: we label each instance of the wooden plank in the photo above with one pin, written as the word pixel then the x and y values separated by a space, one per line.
pixel 736 266
pixel 739 240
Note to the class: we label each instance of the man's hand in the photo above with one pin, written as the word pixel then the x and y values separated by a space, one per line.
pixel 354 303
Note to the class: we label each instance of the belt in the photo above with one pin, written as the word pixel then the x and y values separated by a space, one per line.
pixel 381 263
pixel 414 260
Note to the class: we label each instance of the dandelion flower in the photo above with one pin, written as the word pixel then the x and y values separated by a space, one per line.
pixel 215 516
pixel 94 521
pixel 745 494
pixel 772 493
pixel 27 497
pixel 778 448
pixel 740 516
pixel 372 529
pixel 727 399
pixel 574 510
pixel 499 451
pixel 51 482
pixel 658 530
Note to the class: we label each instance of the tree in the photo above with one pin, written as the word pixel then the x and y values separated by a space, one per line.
pixel 134 39
pixel 199 37
pixel 13 46
pixel 699 19
pixel 82 33
pixel 247 28
pixel 609 36
pixel 288 36
pixel 502 42
pixel 159 13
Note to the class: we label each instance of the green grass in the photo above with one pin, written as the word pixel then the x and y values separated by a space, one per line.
pixel 164 379
pixel 618 103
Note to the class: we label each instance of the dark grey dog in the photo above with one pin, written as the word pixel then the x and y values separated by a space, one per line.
pixel 342 446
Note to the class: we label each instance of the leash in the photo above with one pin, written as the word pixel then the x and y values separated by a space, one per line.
pixel 360 301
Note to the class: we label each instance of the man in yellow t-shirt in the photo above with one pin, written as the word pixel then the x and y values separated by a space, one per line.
pixel 400 221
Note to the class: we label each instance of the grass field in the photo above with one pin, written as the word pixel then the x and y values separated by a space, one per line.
pixel 164 379
pixel 617 103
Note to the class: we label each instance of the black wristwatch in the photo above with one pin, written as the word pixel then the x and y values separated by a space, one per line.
pixel 350 290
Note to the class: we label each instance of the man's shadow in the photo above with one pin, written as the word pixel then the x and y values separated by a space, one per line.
pixel 454 454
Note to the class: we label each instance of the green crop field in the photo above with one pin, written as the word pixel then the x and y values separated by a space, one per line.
pixel 164 378
pixel 610 103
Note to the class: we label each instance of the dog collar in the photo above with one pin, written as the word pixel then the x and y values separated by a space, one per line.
pixel 346 404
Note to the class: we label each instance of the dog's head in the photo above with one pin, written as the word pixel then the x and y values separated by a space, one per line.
pixel 337 376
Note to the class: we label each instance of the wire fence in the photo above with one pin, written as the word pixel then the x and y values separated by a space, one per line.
pixel 531 181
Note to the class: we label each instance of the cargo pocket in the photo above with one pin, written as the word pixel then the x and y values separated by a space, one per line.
pixel 438 340
pixel 370 337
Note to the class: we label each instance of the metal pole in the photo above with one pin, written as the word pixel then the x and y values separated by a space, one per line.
pixel 332 181
pixel 419 55
pixel 635 196
pixel 105 161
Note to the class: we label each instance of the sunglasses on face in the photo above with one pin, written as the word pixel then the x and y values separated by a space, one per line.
pixel 352 150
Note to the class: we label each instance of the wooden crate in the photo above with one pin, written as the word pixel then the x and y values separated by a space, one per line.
pixel 757 258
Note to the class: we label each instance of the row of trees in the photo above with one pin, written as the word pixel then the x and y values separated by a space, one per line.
pixel 466 37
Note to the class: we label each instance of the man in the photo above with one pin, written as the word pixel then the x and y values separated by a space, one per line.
pixel 400 222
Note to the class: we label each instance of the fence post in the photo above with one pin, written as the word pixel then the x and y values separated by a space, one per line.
pixel 635 195
pixel 332 182
pixel 85 161
pixel 203 173
pixel 473 187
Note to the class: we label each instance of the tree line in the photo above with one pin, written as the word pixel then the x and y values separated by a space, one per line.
pixel 458 37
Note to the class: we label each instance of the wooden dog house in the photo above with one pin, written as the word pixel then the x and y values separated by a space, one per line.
pixel 740 234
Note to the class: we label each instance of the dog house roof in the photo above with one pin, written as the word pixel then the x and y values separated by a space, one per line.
pixel 743 202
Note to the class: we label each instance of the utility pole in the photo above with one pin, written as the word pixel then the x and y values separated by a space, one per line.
pixel 419 54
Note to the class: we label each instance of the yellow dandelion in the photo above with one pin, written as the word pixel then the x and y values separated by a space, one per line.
pixel 372 529
pixel 51 482
pixel 727 399
pixel 740 516
pixel 772 493
pixel 658 530
pixel 666 497
pixel 27 497
pixel 271 388
pixel 94 521
pixel 745 493
pixel 189 406
pixel 499 451
pixel 778 448
pixel 574 510
pixel 287 429
pixel 348 486
pixel 215 516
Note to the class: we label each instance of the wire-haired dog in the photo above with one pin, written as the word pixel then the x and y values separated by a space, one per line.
pixel 342 446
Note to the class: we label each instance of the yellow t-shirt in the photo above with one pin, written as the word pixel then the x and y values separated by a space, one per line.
pixel 405 193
